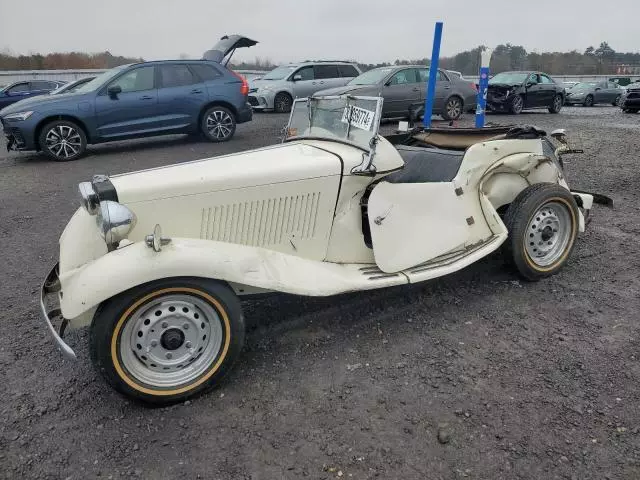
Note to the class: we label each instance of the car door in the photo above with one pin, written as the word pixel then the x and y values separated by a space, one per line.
pixel 442 91
pixel 402 90
pixel 534 92
pixel 613 90
pixel 326 76
pixel 304 82
pixel 132 111
pixel 600 94
pixel 181 94
pixel 14 93
pixel 547 90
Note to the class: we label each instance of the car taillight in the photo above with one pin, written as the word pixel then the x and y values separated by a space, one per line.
pixel 475 86
pixel 244 88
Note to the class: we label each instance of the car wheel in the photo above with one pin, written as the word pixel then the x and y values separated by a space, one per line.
pixel 282 103
pixel 62 140
pixel 516 105
pixel 543 225
pixel 218 124
pixel 616 102
pixel 588 101
pixel 556 106
pixel 167 340
pixel 453 108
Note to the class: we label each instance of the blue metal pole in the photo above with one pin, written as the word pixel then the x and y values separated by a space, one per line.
pixel 481 106
pixel 433 76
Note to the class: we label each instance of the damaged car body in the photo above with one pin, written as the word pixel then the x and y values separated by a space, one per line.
pixel 155 261
pixel 513 92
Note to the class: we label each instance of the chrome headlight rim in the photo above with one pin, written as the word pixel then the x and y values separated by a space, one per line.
pixel 115 221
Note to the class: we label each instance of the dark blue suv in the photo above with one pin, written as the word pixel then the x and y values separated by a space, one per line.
pixel 137 100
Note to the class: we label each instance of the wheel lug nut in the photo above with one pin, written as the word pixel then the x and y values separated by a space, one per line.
pixel 188 344
pixel 169 355
pixel 165 324
pixel 154 343
pixel 185 326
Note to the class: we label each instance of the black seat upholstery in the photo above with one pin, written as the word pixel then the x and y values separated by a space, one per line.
pixel 423 165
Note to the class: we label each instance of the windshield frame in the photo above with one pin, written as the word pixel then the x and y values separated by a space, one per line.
pixel 102 79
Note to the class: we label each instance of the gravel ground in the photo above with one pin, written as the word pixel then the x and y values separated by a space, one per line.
pixel 477 375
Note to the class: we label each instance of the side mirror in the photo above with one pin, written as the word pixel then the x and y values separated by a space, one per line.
pixel 297 77
pixel 598 88
pixel 114 90
pixel 530 84
pixel 387 83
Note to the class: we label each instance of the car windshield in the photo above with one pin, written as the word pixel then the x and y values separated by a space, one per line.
pixel 509 78
pixel 583 86
pixel 278 73
pixel 371 77
pixel 348 118
pixel 100 80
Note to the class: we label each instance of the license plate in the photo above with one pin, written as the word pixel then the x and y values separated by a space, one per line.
pixel 358 117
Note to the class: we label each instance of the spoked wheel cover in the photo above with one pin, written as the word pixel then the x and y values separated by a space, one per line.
pixel 63 141
pixel 549 233
pixel 454 108
pixel 172 341
pixel 517 104
pixel 219 124
pixel 557 103
pixel 282 103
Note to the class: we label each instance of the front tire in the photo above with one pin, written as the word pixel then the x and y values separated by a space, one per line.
pixel 588 102
pixel 453 108
pixel 62 140
pixel 282 103
pixel 616 102
pixel 556 106
pixel 168 340
pixel 516 105
pixel 218 124
pixel 543 225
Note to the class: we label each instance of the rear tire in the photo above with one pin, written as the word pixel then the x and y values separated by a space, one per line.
pixel 168 340
pixel 218 124
pixel 556 106
pixel 62 140
pixel 543 225
pixel 616 102
pixel 516 105
pixel 453 108
pixel 588 102
pixel 282 103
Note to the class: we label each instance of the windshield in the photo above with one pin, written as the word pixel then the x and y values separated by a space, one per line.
pixel 278 73
pixel 371 77
pixel 100 80
pixel 584 85
pixel 347 118
pixel 509 78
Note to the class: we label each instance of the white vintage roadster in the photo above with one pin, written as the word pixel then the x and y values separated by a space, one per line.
pixel 155 261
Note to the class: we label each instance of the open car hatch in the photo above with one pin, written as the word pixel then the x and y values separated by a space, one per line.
pixel 223 50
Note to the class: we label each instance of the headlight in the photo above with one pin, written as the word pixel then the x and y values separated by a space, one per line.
pixel 89 197
pixel 115 221
pixel 18 116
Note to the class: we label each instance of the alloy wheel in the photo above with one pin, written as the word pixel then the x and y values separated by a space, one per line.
pixel 63 141
pixel 219 124
pixel 454 108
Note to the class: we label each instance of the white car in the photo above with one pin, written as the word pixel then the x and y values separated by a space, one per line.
pixel 156 261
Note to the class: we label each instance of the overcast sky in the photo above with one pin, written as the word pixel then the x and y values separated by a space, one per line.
pixel 288 30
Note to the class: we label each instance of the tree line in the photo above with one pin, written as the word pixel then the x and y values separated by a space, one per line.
pixel 593 61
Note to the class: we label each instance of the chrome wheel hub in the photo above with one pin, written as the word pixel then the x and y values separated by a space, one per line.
pixel 219 124
pixel 171 341
pixel 548 233
pixel 63 141
pixel 454 108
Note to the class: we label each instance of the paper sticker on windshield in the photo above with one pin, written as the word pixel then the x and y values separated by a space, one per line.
pixel 360 118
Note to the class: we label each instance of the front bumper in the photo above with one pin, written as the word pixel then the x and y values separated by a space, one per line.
pixel 633 102
pixel 261 100
pixel 573 100
pixel 51 287
pixel 19 135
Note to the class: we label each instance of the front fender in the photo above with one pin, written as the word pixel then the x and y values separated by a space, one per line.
pixel 85 287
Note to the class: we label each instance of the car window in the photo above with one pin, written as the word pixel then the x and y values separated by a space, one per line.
pixel 306 73
pixel 135 80
pixel 423 76
pixel 403 77
pixel 20 87
pixel 348 71
pixel 326 71
pixel 42 85
pixel 177 75
pixel 612 85
pixel 533 78
pixel 205 72
pixel 545 79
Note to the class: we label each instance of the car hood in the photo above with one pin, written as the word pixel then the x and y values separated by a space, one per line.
pixel 41 100
pixel 288 162
pixel 360 89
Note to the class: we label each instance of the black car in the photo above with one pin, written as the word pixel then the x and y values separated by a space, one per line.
pixel 516 91
pixel 630 102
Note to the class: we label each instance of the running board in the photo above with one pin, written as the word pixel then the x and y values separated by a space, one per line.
pixel 454 261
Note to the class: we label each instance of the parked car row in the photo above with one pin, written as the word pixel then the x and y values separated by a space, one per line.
pixel 14 92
